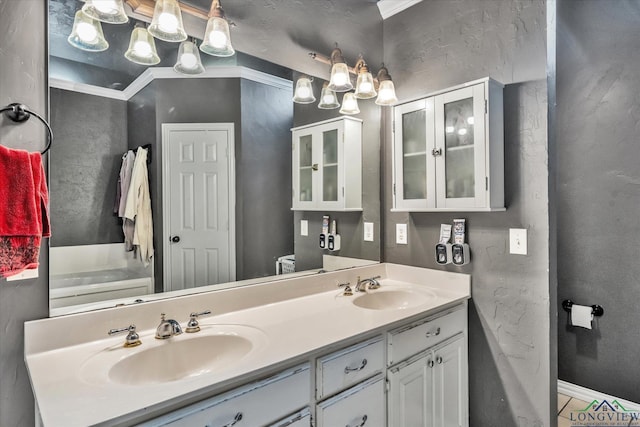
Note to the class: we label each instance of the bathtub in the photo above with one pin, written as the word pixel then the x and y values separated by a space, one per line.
pixel 94 286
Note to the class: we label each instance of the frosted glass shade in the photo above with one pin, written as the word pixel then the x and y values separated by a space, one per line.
pixel 189 61
pixel 167 22
pixel 349 104
pixel 364 86
pixel 87 34
pixel 217 41
pixel 386 93
pixel 142 48
pixel 340 80
pixel 304 91
pixel 328 99
pixel 109 11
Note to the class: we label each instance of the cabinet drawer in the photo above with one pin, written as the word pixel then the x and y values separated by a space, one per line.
pixel 344 368
pixel 256 404
pixel 361 405
pixel 416 337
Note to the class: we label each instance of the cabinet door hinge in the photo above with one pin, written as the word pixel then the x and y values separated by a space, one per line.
pixel 394 188
pixel 486 183
pixel 393 126
pixel 486 106
pixel 388 385
pixel 343 192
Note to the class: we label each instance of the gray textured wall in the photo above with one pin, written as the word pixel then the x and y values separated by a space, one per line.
pixel 23 78
pixel 91 136
pixel 350 224
pixel 437 44
pixel 598 113
pixel 263 183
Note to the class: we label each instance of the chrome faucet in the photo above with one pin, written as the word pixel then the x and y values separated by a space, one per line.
pixel 167 328
pixel 370 283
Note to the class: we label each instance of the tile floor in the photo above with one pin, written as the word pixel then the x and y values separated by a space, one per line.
pixel 566 404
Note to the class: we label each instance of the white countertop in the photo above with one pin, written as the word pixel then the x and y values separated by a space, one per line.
pixel 294 318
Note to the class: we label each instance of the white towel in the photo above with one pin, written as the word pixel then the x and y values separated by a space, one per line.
pixel 138 207
pixel 581 315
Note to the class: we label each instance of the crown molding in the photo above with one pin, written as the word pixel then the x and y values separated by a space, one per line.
pixel 156 73
pixel 391 7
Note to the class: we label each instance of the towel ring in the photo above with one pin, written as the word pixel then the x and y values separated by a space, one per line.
pixel 20 113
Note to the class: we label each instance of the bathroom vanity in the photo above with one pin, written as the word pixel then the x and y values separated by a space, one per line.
pixel 293 352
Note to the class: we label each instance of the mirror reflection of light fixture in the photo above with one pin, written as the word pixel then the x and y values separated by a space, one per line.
pixel 304 91
pixel 328 98
pixel 87 34
pixel 167 22
pixel 386 90
pixel 142 48
pixel 109 11
pixel 189 61
pixel 217 41
pixel 340 80
pixel 365 88
pixel 349 104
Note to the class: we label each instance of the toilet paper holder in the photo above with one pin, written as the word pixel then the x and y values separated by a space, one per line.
pixel 597 310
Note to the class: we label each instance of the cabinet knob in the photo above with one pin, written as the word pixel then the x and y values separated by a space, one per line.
pixel 430 363
pixel 314 167
pixel 436 152
pixel 439 360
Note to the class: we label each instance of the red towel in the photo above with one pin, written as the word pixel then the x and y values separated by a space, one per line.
pixel 24 202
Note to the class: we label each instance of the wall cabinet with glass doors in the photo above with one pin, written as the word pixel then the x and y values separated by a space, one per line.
pixel 449 150
pixel 327 165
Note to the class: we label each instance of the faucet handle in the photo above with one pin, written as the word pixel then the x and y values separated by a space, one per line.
pixel 347 289
pixel 193 325
pixel 132 339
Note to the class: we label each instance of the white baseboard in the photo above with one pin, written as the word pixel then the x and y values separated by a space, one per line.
pixel 588 395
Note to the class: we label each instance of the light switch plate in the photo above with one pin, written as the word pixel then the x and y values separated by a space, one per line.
pixel 518 241
pixel 401 234
pixel 368 232
pixel 304 227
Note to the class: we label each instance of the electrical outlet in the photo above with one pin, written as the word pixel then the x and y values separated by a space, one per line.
pixel 401 234
pixel 368 232
pixel 304 227
pixel 518 241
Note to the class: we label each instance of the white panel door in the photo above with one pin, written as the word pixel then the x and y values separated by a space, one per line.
pixel 450 385
pixel 411 394
pixel 198 202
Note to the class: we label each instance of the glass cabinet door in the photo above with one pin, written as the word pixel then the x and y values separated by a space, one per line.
pixel 305 168
pixel 413 158
pixel 460 169
pixel 330 165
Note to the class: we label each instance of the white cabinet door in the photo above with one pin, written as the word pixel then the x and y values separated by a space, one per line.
pixel 362 405
pixel 430 389
pixel 410 398
pixel 327 165
pixel 460 142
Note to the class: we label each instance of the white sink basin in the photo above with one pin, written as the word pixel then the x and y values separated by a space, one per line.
pixel 182 357
pixel 390 298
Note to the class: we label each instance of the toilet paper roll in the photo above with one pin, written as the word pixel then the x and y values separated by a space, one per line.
pixel 581 315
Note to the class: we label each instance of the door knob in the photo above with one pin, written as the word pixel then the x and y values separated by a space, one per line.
pixel 175 239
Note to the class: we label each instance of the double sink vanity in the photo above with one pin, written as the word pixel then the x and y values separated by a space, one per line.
pixel 297 352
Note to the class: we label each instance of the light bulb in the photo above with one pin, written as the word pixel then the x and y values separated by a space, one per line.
pixel 168 22
pixel 142 49
pixel 365 87
pixel 470 120
pixel 87 32
pixel 328 99
pixel 188 60
pixel 106 6
pixel 218 39
pixel 340 79
pixel 303 92
pixel 462 132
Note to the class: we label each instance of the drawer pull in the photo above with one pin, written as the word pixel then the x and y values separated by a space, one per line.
pixel 237 418
pixel 359 368
pixel 439 360
pixel 433 334
pixel 430 363
pixel 364 420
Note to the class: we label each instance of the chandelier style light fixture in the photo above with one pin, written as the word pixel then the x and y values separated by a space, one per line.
pixel 328 98
pixel 217 40
pixel 167 22
pixel 87 34
pixel 109 11
pixel 304 91
pixel 189 61
pixel 142 48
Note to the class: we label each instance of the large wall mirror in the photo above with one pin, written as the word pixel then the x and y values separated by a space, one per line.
pixel 233 122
